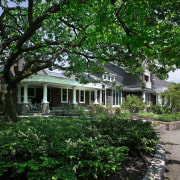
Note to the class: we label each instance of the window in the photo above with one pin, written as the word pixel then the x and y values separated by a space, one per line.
pixel 81 96
pixel 116 97
pixel 92 97
pixel 146 78
pixel 103 97
pixel 148 99
pixel 108 77
pixel 64 95
pixel 120 93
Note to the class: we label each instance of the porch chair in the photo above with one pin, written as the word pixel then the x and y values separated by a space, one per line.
pixel 32 106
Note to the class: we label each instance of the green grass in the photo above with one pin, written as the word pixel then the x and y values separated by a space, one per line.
pixel 162 117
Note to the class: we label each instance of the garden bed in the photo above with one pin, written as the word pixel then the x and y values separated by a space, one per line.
pixel 64 148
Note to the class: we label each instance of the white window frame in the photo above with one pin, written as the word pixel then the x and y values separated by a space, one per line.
pixel 108 77
pixel 80 96
pixel 90 97
pixel 148 99
pixel 62 95
pixel 117 96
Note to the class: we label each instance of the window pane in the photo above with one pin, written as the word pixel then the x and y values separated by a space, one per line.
pixel 103 97
pixel 92 96
pixel 117 95
pixel 81 96
pixel 119 98
pixel 64 94
pixel 114 97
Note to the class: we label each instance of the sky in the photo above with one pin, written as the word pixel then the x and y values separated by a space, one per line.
pixel 174 76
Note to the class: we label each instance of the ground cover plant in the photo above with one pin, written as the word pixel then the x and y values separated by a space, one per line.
pixel 161 117
pixel 65 148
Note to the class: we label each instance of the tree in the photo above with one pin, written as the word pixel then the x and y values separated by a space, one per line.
pixel 85 34
pixel 171 97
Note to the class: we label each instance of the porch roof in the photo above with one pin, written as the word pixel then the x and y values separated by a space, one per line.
pixel 38 80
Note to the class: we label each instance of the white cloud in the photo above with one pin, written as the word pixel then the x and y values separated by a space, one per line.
pixel 174 76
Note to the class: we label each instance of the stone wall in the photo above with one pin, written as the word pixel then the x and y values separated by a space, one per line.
pixel 166 126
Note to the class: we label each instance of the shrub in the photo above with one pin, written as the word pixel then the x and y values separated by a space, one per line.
pixel 136 135
pixel 56 149
pixel 133 104
pixel 65 148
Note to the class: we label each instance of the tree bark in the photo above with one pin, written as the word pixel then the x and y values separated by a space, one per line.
pixel 9 101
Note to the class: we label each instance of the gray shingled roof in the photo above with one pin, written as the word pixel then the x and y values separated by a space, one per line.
pixel 122 76
pixel 158 83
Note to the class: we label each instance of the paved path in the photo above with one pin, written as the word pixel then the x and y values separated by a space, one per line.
pixel 171 142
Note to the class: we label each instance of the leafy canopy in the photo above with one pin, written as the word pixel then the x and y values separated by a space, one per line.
pixel 86 34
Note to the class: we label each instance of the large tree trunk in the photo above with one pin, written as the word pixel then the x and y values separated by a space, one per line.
pixel 9 101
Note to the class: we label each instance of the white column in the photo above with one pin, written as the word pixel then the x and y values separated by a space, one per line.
pixel 74 96
pixel 95 94
pixel 158 99
pixel 25 94
pixel 45 93
pixel 144 97
pixel 101 97
pixel 121 97
pixel 19 95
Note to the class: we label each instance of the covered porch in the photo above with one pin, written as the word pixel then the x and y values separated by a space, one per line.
pixel 46 97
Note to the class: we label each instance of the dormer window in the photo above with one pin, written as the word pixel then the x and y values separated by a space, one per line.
pixel 146 78
pixel 108 77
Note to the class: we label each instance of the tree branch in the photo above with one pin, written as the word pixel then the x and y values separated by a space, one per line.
pixel 30 11
pixel 27 71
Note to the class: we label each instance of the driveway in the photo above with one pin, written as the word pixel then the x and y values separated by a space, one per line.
pixel 171 142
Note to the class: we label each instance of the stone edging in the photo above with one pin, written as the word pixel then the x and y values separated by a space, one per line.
pixel 156 170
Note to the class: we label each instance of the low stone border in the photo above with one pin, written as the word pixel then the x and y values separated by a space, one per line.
pixel 156 169
pixel 170 126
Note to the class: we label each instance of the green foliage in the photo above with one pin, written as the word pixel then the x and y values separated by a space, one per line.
pixel 171 98
pixel 86 35
pixel 133 104
pixel 158 109
pixel 162 117
pixel 99 111
pixel 79 111
pixel 62 148
pixel 136 135
pixel 56 149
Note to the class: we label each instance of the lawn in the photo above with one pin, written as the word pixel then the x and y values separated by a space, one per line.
pixel 66 148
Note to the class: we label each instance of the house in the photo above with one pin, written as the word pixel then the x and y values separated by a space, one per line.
pixel 51 89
